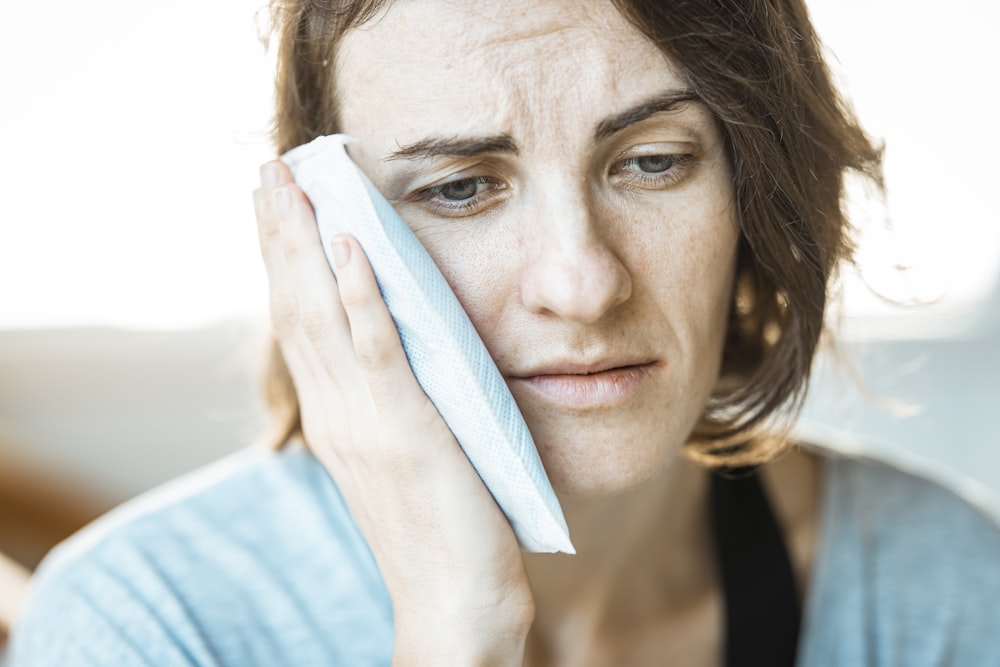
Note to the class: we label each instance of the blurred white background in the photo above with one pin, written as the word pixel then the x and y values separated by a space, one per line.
pixel 132 135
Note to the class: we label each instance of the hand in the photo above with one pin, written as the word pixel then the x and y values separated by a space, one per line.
pixel 449 558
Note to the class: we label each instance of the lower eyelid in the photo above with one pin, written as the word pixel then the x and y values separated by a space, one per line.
pixel 476 204
pixel 678 169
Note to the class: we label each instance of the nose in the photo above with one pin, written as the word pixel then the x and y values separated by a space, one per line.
pixel 572 272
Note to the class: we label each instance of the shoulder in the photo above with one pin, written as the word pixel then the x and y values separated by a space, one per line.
pixel 250 561
pixel 905 516
pixel 908 569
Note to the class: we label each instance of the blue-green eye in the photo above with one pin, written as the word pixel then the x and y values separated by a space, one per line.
pixel 650 164
pixel 460 190
pixel 655 164
pixel 462 196
pixel 653 171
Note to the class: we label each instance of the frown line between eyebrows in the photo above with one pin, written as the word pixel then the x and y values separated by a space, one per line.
pixel 663 102
pixel 454 147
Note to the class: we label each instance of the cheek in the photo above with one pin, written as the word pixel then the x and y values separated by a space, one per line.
pixel 684 267
pixel 707 235
pixel 707 302
pixel 684 251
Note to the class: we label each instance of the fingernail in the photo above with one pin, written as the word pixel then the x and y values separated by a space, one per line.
pixel 282 201
pixel 269 175
pixel 341 251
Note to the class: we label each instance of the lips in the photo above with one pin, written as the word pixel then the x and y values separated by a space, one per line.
pixel 582 386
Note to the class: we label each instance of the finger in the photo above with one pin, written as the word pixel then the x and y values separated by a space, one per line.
pixel 303 293
pixel 323 414
pixel 270 206
pixel 374 336
pixel 320 318
pixel 279 204
pixel 273 175
pixel 272 200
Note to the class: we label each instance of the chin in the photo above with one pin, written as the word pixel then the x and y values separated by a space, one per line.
pixel 601 466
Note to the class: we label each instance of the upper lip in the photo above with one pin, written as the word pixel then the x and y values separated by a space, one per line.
pixel 576 367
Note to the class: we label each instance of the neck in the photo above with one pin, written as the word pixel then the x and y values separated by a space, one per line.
pixel 643 556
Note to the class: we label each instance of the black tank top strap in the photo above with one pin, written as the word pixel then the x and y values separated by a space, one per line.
pixel 762 616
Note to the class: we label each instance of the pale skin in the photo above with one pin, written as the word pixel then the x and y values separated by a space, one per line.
pixel 579 202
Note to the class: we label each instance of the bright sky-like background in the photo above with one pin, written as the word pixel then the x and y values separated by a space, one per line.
pixel 133 131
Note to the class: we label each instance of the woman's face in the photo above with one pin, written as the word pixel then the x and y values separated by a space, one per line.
pixel 579 204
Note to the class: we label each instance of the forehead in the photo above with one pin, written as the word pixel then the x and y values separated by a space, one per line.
pixel 520 67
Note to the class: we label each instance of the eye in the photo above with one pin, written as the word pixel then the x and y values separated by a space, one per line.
pixel 651 164
pixel 461 190
pixel 462 196
pixel 652 171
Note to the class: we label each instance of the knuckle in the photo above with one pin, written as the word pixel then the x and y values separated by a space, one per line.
pixel 284 312
pixel 291 246
pixel 352 297
pixel 314 325
pixel 268 225
pixel 370 348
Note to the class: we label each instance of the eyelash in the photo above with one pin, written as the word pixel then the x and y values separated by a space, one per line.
pixel 458 207
pixel 675 172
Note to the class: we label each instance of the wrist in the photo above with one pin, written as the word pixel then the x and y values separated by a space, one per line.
pixel 487 650
pixel 496 639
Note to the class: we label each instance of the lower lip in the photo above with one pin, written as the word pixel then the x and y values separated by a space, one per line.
pixel 606 389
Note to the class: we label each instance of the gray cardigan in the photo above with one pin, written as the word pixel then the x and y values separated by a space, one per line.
pixel 256 561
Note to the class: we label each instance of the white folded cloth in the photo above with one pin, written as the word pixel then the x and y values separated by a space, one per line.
pixel 448 358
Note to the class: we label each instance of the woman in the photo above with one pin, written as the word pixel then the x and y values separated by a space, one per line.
pixel 639 206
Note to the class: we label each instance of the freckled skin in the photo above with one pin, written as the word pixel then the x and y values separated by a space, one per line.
pixel 568 261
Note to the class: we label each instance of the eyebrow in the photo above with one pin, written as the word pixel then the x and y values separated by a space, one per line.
pixel 504 143
pixel 668 101
pixel 455 147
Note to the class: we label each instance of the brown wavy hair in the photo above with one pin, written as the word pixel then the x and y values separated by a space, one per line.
pixel 758 65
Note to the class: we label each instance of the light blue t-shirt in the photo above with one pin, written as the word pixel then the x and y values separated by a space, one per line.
pixel 256 561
